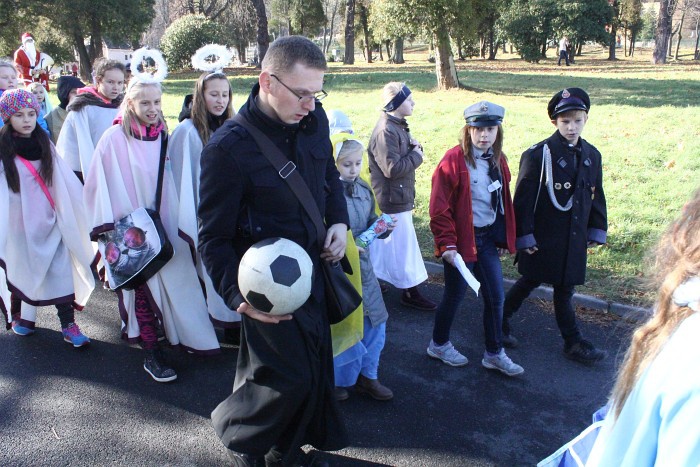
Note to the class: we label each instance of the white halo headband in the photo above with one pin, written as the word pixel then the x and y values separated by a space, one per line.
pixel 138 59
pixel 223 57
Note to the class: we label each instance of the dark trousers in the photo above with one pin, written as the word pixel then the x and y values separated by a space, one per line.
pixel 564 310
pixel 563 54
pixel 487 270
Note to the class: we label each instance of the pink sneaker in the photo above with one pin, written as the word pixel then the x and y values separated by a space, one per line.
pixel 72 335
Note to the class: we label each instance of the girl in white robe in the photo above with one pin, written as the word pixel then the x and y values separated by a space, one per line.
pixel 90 114
pixel 45 251
pixel 211 107
pixel 122 178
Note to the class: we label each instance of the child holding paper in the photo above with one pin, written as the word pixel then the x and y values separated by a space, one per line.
pixel 471 217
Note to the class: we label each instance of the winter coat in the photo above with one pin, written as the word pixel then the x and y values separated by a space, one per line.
pixel 392 165
pixel 560 236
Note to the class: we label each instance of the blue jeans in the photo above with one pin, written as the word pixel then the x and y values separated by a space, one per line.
pixel 487 270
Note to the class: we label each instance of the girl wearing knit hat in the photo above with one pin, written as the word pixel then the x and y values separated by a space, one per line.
pixel 45 252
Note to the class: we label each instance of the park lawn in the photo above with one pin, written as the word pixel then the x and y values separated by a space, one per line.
pixel 644 119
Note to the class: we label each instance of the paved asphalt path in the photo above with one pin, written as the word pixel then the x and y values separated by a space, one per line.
pixel 65 407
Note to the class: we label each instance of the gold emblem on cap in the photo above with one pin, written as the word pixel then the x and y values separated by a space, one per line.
pixel 557 186
pixel 565 94
pixel 484 107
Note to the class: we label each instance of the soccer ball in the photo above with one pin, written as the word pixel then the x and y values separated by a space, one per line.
pixel 275 276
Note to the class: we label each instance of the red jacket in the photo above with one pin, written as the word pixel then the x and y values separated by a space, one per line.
pixel 25 70
pixel 451 218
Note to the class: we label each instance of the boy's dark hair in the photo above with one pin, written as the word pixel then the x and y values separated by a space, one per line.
pixel 8 150
pixel 287 51
pixel 103 65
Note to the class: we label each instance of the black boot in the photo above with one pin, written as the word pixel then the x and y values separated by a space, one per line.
pixel 154 364
pixel 412 298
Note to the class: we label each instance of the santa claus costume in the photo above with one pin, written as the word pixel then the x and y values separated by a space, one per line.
pixel 123 177
pixel 45 252
pixel 27 59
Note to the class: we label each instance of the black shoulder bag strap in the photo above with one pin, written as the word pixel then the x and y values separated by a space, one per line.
pixel 287 170
pixel 161 168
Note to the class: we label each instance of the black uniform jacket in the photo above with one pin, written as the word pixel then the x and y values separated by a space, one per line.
pixel 561 237
pixel 283 392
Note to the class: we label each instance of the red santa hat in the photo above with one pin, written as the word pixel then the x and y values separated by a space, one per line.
pixel 26 36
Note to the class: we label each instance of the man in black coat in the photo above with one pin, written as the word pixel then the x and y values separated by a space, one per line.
pixel 283 391
pixel 560 211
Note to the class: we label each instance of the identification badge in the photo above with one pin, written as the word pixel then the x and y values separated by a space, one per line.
pixel 494 186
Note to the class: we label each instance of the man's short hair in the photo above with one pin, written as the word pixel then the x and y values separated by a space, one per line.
pixel 287 51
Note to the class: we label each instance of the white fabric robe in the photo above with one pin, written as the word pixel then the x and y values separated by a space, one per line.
pixel 45 254
pixel 122 178
pixel 80 133
pixel 184 151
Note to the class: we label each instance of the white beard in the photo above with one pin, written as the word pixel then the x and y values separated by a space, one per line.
pixel 30 50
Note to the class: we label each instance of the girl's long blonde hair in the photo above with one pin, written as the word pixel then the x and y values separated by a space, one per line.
pixel 676 260
pixel 200 114
pixel 130 121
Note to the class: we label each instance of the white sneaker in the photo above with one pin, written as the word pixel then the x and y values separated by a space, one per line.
pixel 447 353
pixel 502 363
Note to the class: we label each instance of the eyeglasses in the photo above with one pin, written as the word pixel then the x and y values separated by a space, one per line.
pixel 317 96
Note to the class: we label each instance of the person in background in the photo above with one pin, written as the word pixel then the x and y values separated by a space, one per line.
pixel 472 220
pixel 394 156
pixel 358 366
pixel 563 51
pixel 211 105
pixel 90 114
pixel 42 97
pixel 67 89
pixel 560 212
pixel 45 251
pixel 9 80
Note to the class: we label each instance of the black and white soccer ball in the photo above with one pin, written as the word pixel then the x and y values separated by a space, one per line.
pixel 275 276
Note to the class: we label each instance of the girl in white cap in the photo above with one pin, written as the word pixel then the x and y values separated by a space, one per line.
pixel 472 219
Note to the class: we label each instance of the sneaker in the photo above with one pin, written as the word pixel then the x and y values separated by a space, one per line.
pixel 373 388
pixel 21 330
pixel 502 363
pixel 156 367
pixel 412 298
pixel 447 353
pixel 72 335
pixel 584 352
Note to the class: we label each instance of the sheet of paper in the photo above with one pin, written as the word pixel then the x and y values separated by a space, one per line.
pixel 467 274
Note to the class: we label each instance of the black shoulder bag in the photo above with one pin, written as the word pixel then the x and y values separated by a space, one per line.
pixel 341 296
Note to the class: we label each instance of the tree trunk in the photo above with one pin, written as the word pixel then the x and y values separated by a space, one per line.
pixel 365 31
pixel 397 57
pixel 262 37
pixel 84 57
pixel 613 42
pixel 633 39
pixel 696 56
pixel 492 46
pixel 349 58
pixel 444 62
pixel 680 33
pixel 381 54
pixel 663 34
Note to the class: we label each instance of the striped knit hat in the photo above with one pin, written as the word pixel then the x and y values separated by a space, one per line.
pixel 14 100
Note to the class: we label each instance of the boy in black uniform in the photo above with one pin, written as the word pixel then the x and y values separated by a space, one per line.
pixel 560 212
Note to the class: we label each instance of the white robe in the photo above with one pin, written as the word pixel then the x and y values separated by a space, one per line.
pixel 45 253
pixel 184 151
pixel 122 178
pixel 80 133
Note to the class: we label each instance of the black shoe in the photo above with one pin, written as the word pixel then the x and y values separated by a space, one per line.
pixel 584 352
pixel 232 336
pixel 412 298
pixel 509 341
pixel 245 460
pixel 341 394
pixel 156 367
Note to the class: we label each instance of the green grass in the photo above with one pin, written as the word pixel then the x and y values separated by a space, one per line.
pixel 644 119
